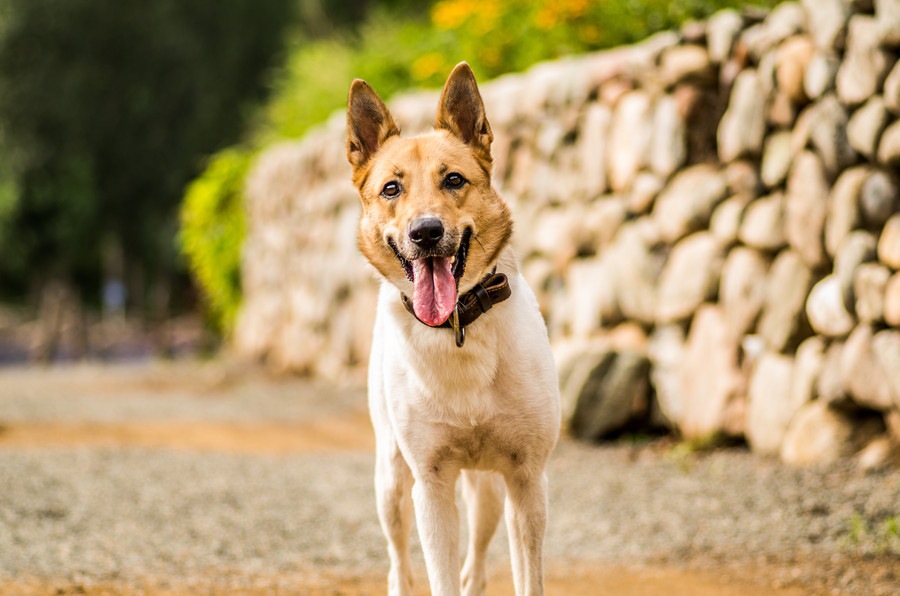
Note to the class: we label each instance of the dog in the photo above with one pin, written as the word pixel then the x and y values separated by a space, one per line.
pixel 461 377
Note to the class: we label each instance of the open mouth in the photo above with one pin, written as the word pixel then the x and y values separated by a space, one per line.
pixel 435 281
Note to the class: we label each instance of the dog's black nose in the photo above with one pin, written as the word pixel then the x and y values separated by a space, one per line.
pixel 426 232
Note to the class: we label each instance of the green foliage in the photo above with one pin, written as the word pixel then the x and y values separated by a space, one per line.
pixel 874 536
pixel 212 233
pixel 305 92
pixel 395 52
pixel 106 112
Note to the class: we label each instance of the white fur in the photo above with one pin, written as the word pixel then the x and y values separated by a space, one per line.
pixel 489 409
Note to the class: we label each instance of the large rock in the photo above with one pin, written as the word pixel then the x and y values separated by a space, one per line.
pixel 743 125
pixel 631 137
pixel 794 56
pixel 591 296
pixel 783 21
pixel 542 276
pixel 827 22
pixel 725 222
pixel 543 187
pixel 643 192
pixel 808 363
pixel 599 223
pixel 880 452
pixel 869 287
pixel 782 110
pixel 686 204
pixel 710 376
pixel 878 199
pixel 548 138
pixel 820 74
pixel 889 243
pixel 828 134
pixel 743 178
pixel 843 207
pixel 555 233
pixel 783 322
pixel 830 387
pixel 776 159
pixel 721 31
pixel 888 15
pixel 608 389
pixel 742 290
pixel 763 223
pixel 666 352
pixel 886 346
pixel 686 62
pixel 858 248
pixel 889 146
pixel 826 311
pixel 568 354
pixel 636 269
pixel 862 371
pixel 592 148
pixel 668 147
pixel 891 91
pixel 521 164
pixel 817 435
pixel 805 208
pixel 892 301
pixel 865 64
pixel 770 409
pixel 690 276
pixel 866 125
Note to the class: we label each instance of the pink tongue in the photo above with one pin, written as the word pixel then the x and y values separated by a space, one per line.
pixel 434 295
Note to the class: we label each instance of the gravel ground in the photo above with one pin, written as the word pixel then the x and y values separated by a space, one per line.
pixel 83 514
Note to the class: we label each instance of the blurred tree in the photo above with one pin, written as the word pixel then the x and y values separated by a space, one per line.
pixel 106 112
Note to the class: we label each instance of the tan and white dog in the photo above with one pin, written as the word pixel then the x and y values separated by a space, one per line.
pixel 446 398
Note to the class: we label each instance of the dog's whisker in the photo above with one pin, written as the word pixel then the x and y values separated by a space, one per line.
pixel 475 238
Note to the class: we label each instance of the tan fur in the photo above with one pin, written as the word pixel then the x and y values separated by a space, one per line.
pixel 420 164
pixel 488 411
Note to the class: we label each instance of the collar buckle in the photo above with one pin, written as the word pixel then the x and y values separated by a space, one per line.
pixel 459 332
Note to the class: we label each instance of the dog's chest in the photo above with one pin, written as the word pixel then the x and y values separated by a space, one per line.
pixel 479 446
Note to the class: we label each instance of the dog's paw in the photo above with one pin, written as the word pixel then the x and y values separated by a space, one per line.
pixel 473 584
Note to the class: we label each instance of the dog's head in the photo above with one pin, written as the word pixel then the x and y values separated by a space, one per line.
pixel 431 223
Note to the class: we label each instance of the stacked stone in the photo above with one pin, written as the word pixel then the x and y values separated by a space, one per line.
pixel 709 220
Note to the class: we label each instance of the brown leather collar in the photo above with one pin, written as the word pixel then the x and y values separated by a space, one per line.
pixel 489 291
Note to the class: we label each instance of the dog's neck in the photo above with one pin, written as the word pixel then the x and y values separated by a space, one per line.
pixel 492 289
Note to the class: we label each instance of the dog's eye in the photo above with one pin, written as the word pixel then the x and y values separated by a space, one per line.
pixel 391 190
pixel 454 181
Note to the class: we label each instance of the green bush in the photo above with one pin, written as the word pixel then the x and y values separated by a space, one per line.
pixel 212 232
pixel 395 50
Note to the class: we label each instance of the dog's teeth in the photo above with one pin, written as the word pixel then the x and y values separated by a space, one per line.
pixel 452 260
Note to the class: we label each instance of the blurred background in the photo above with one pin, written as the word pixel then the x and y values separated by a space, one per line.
pixel 126 133
pixel 708 213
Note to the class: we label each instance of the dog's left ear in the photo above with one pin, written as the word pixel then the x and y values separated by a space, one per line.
pixel 369 123
pixel 462 113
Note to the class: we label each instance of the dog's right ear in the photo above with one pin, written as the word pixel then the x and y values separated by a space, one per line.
pixel 369 123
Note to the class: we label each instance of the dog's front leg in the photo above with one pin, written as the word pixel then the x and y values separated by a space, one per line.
pixel 483 495
pixel 438 522
pixel 526 521
pixel 393 483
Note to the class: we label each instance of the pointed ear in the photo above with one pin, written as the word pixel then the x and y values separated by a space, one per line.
pixel 462 111
pixel 369 123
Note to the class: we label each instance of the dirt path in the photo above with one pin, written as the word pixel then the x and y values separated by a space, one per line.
pixel 211 479
pixel 572 580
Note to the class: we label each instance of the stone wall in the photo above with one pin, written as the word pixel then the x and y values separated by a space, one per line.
pixel 709 219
